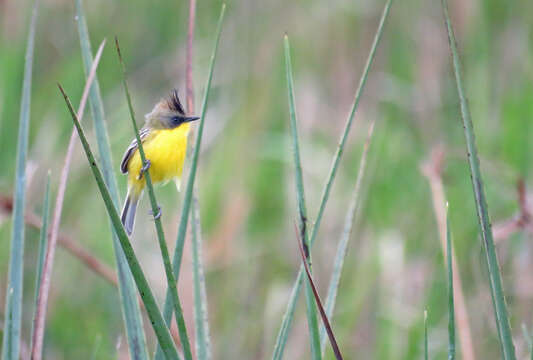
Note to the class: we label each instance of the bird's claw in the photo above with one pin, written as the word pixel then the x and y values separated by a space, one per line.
pixel 158 215
pixel 145 168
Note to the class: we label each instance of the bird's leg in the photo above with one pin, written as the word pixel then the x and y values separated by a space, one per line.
pixel 158 215
pixel 145 168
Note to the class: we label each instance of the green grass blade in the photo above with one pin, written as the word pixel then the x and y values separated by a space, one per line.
pixel 529 342
pixel 496 286
pixel 286 321
pixel 43 236
pixel 345 238
pixel 312 321
pixel 171 281
pixel 289 313
pixel 324 317
pixel 451 308
pixel 97 107
pixel 185 210
pixel 44 288
pixel 203 342
pixel 426 347
pixel 13 303
pixel 128 296
pixel 43 245
pixel 161 331
pixel 96 347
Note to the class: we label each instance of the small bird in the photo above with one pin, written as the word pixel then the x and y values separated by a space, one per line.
pixel 164 140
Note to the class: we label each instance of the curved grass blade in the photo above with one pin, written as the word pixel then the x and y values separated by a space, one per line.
pixel 128 296
pixel 185 210
pixel 13 305
pixel 283 333
pixel 171 281
pixel 451 310
pixel 345 238
pixel 43 239
pixel 312 321
pixel 203 343
pixel 161 331
pixel 325 321
pixel 44 288
pixel 496 286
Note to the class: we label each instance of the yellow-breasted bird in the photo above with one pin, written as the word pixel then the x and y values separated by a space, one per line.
pixel 164 140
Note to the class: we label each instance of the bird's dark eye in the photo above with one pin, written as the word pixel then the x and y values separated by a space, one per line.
pixel 176 120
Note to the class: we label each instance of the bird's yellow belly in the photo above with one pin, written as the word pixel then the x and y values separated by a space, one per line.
pixel 166 150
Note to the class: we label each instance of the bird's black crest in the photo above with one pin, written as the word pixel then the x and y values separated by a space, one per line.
pixel 174 103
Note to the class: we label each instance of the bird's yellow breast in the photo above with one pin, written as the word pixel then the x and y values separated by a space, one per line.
pixel 166 150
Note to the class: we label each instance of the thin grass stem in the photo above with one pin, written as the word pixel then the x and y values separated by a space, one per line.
pixel 13 303
pixel 496 286
pixel 203 342
pixel 312 322
pixel 345 238
pixel 283 333
pixel 529 342
pixel 324 317
pixel 201 324
pixel 43 241
pixel 426 347
pixel 43 235
pixel 451 310
pixel 432 169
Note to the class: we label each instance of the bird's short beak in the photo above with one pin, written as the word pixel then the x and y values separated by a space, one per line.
pixel 191 118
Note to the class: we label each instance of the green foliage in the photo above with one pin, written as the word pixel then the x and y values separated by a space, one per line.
pixel 128 297
pixel 13 303
pixel 245 174
pixel 201 325
pixel 451 308
pixel 289 313
pixel 342 247
pixel 312 321
pixel 496 286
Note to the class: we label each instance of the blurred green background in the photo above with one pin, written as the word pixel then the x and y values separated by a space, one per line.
pixel 394 268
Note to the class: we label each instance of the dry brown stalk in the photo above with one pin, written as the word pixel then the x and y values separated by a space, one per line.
pixel 67 242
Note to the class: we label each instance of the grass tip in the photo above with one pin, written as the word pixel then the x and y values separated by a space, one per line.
pixel 118 48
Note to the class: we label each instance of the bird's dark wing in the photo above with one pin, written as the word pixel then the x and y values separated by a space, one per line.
pixel 143 133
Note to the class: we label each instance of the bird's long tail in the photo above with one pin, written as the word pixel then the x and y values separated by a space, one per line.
pixel 129 209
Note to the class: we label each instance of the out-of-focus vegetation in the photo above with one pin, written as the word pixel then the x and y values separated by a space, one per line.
pixel 394 267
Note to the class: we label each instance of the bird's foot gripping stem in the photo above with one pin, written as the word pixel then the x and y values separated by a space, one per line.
pixel 158 215
pixel 144 169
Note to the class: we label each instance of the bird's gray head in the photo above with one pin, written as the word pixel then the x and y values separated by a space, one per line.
pixel 168 113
